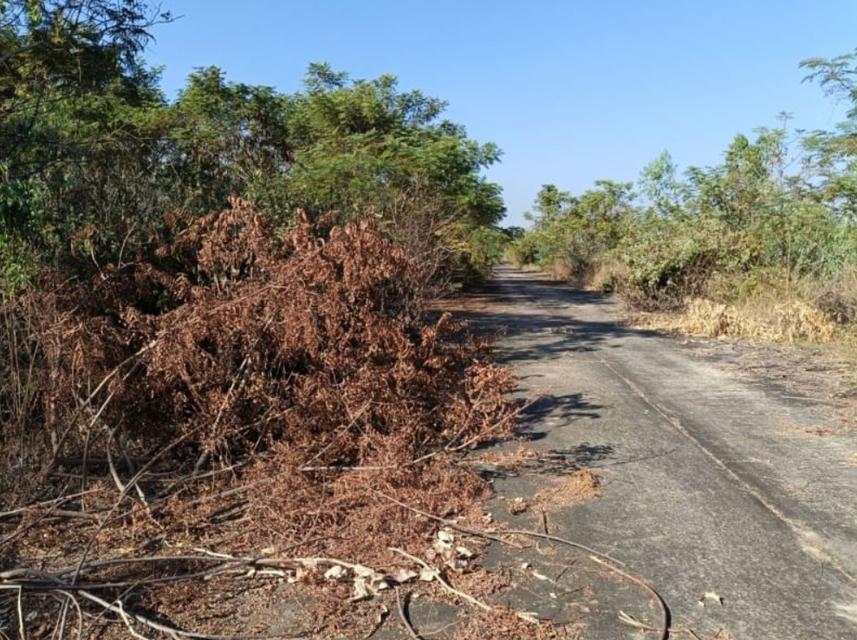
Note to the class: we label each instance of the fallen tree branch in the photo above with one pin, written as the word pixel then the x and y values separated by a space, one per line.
pixel 596 556
pixel 157 626
pixel 403 615
pixel 437 576
pixel 51 584
pixel 45 503
pixel 665 612
pixel 495 535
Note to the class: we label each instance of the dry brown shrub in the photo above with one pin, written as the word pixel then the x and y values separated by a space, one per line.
pixel 313 352
pixel 237 389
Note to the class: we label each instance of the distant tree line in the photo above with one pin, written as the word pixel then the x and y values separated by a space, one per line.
pixel 777 217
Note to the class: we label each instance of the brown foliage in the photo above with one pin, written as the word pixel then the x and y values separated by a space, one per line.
pixel 237 374
pixel 314 351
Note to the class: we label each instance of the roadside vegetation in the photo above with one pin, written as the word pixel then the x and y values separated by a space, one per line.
pixel 218 373
pixel 93 154
pixel 763 245
pixel 224 383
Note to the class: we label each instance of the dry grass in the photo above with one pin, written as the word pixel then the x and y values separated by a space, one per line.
pixel 776 321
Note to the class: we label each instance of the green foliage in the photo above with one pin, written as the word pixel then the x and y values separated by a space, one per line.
pixel 663 189
pixel 523 250
pixel 770 215
pixel 17 266
pixel 486 247
pixel 95 156
pixel 78 119
pixel 20 211
pixel 573 231
pixel 359 145
pixel 224 139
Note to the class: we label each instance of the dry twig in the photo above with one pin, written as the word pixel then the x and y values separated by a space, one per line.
pixel 402 605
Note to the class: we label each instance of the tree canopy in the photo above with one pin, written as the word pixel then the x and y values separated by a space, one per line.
pixel 93 155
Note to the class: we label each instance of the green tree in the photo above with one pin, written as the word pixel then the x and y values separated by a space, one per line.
pixel 80 121
pixel 834 153
pixel 225 139
pixel 660 184
pixel 361 144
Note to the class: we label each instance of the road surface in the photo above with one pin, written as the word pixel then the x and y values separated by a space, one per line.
pixel 711 482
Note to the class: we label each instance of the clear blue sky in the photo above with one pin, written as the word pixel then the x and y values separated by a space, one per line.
pixel 571 91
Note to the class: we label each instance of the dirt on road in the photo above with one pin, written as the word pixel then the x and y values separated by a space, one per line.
pixel 726 474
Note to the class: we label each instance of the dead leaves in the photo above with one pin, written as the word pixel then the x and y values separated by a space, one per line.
pixel 446 551
pixel 517 506
pixel 710 598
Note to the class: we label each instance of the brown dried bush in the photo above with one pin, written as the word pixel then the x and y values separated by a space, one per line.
pixel 243 387
pixel 232 342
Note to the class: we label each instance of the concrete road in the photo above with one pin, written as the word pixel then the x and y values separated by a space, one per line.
pixel 711 482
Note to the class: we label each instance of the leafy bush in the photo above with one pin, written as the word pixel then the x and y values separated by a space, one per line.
pixel 94 154
pixel 485 248
pixel 522 251
pixel 665 262
pixel 731 233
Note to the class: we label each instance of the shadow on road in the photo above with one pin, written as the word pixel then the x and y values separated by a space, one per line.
pixel 552 462
pixel 496 310
pixel 566 407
